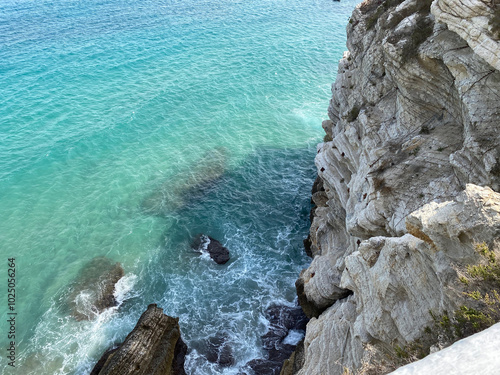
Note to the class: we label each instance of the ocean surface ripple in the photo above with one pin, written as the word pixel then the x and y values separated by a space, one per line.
pixel 129 127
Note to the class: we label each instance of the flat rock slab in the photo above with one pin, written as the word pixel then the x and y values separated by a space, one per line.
pixel 218 253
pixel 154 347
pixel 476 354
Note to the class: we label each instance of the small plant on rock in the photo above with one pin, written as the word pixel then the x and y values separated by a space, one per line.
pixel 353 114
pixel 494 21
pixel 481 308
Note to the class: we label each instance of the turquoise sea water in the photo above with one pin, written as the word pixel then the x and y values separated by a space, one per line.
pixel 128 127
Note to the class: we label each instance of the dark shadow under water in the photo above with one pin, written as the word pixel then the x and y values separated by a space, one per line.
pixel 260 211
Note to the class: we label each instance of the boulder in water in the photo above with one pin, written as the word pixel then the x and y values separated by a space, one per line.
pixel 218 253
pixel 93 289
pixel 286 329
pixel 217 350
pixel 153 347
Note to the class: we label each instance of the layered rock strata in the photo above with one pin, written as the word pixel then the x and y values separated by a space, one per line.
pixel 415 140
pixel 153 347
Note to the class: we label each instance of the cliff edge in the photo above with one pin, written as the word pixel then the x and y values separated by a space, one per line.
pixel 406 230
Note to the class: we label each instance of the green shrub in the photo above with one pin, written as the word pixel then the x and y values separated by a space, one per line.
pixel 467 317
pixel 495 21
pixel 481 308
pixel 353 114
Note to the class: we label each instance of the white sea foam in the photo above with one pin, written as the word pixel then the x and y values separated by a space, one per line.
pixel 124 288
pixel 293 337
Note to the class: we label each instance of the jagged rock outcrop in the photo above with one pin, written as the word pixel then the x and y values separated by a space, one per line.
pixel 153 347
pixel 413 124
pixel 218 252
pixel 217 349
pixel 472 20
pixel 286 329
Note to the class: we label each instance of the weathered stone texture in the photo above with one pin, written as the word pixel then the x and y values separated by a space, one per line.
pixel 154 347
pixel 414 119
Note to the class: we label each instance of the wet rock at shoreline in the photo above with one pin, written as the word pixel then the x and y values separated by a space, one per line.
pixel 218 350
pixel 93 289
pixel 293 364
pixel 286 330
pixel 153 347
pixel 218 253
pixel 99 365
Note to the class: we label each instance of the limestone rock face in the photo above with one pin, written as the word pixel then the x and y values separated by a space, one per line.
pixel 397 281
pixel 473 217
pixel 330 343
pixel 471 20
pixel 414 135
pixel 153 347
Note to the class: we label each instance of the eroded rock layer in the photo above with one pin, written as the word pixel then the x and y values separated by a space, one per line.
pixel 154 347
pixel 408 180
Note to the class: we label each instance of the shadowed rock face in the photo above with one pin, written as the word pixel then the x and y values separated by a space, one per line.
pixel 218 253
pixel 179 189
pixel 154 347
pixel 92 291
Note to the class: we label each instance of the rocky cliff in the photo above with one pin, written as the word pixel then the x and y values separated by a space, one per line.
pixel 406 228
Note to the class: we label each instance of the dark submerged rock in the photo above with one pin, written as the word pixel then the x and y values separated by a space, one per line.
pixel 282 319
pixel 93 289
pixel 265 366
pixel 218 350
pixel 153 347
pixel 287 317
pixel 179 190
pixel 218 253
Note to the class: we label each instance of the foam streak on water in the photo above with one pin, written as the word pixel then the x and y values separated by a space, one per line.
pixel 126 129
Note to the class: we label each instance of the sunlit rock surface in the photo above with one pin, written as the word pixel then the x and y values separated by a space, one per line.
pixel 410 178
pixel 477 354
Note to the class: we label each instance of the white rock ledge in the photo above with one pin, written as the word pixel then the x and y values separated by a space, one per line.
pixel 475 355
